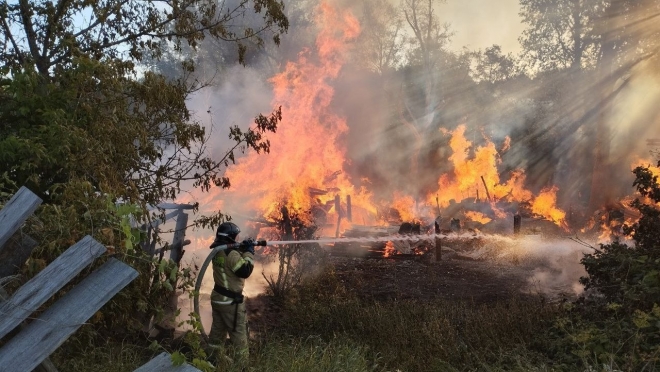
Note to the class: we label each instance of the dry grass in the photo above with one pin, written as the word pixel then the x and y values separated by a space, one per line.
pixel 325 328
pixel 424 336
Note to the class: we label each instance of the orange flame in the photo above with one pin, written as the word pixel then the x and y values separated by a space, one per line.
pixel 405 205
pixel 545 205
pixel 477 217
pixel 507 144
pixel 389 250
pixel 306 153
pixel 480 173
pixel 305 168
pixel 646 163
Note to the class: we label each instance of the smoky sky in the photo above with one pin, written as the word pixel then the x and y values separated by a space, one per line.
pixel 478 24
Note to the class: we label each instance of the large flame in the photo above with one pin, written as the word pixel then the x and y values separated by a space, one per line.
pixel 478 177
pixel 304 170
pixel 545 204
pixel 477 217
pixel 305 166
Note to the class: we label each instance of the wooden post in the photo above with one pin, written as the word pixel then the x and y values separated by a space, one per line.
pixel 338 209
pixel 176 253
pixel 517 219
pixel 486 187
pixel 438 242
pixel 349 212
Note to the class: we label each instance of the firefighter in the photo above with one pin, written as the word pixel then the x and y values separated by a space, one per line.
pixel 230 269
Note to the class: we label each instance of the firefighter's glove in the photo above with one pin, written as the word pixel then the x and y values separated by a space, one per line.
pixel 247 245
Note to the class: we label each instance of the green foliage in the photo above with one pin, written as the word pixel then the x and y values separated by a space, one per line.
pixel 629 275
pixel 129 30
pixel 561 33
pixel 100 138
pixel 76 105
pixel 130 138
pixel 492 65
pixel 619 324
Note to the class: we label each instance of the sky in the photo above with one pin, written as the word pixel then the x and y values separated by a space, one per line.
pixel 478 24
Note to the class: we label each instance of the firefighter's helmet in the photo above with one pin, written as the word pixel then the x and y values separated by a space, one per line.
pixel 226 233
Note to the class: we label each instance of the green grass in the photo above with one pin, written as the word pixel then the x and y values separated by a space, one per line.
pixel 323 327
pixel 110 357
pixel 425 336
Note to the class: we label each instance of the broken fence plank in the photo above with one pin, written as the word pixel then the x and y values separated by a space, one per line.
pixel 17 251
pixel 45 334
pixel 163 363
pixel 15 212
pixel 39 289
pixel 46 365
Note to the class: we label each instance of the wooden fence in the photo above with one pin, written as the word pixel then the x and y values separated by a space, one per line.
pixel 28 344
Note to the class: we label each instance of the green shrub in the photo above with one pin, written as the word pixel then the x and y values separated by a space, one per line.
pixel 618 324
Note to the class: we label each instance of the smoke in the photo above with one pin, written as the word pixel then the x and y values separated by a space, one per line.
pixel 394 144
pixel 550 266
pixel 556 265
pixel 478 24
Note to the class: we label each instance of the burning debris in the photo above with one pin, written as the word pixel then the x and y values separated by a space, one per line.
pixel 306 173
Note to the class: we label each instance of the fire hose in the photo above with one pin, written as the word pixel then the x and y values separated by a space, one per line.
pixel 202 270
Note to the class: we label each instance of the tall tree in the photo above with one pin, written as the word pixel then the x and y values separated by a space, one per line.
pixel 380 44
pixel 491 65
pixel 99 136
pixel 560 33
pixel 78 104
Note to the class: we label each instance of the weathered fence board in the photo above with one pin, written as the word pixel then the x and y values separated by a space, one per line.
pixel 179 235
pixel 45 334
pixel 39 289
pixel 15 212
pixel 16 252
pixel 163 363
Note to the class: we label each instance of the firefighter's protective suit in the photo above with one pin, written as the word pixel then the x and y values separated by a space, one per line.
pixel 230 269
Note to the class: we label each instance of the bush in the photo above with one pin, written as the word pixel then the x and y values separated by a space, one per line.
pixel 618 324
